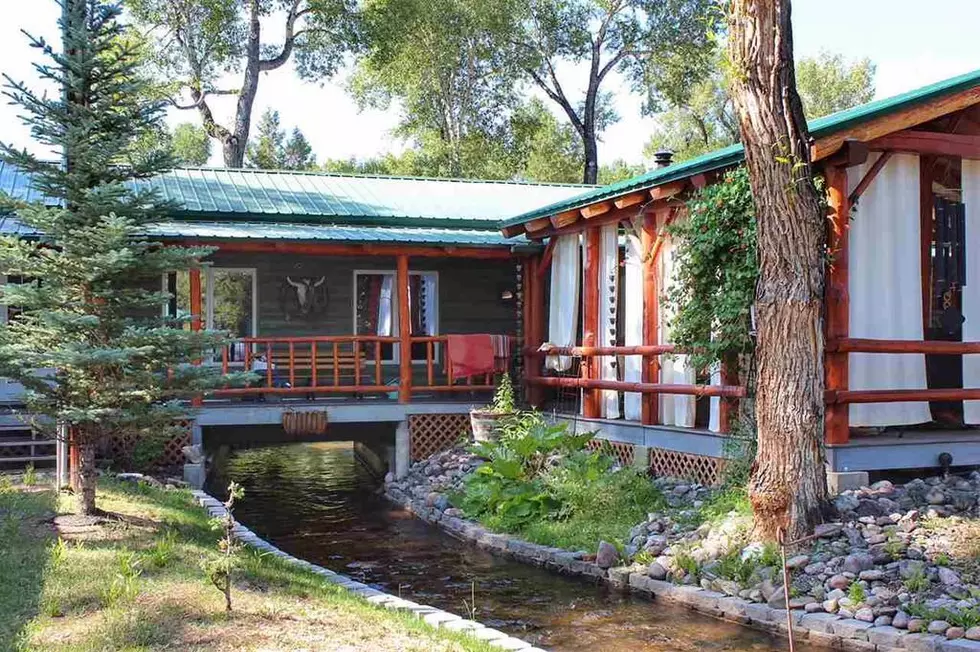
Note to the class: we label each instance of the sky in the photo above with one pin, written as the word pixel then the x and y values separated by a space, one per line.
pixel 909 46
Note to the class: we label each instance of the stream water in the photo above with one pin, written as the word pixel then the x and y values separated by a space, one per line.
pixel 318 503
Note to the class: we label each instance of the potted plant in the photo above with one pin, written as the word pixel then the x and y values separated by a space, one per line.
pixel 486 421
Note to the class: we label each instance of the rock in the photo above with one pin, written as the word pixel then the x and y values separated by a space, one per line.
pixel 656 571
pixel 910 567
pixel 799 561
pixel 935 496
pixel 830 606
pixel 728 587
pixel 828 530
pixel 900 620
pixel 948 577
pixel 812 607
pixel 846 503
pixel 883 487
pixel 938 627
pixel 973 633
pixel 955 632
pixel 865 615
pixel 606 555
pixel 916 624
pixel 838 582
pixel 871 575
pixel 883 621
pixel 857 562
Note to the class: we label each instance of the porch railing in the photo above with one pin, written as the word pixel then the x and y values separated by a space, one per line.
pixel 650 354
pixel 342 364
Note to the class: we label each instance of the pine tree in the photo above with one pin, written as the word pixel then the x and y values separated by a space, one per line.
pixel 298 153
pixel 91 309
pixel 266 153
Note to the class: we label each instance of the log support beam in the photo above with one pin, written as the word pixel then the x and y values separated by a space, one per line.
pixel 836 326
pixel 404 333
pixel 590 321
pixel 650 370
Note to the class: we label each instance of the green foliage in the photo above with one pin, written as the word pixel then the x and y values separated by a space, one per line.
pixel 717 268
pixel 163 551
pixel 917 581
pixel 30 475
pixel 957 617
pixel 125 584
pixel 503 396
pixel 540 482
pixel 91 309
pixel 717 507
pixel 190 145
pixel 220 568
pixel 271 150
pixel 687 563
pixel 739 450
pixel 827 83
pixel 856 593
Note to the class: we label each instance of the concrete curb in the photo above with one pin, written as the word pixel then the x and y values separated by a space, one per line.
pixel 434 617
pixel 819 629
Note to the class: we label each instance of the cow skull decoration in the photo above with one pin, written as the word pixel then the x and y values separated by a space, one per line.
pixel 303 297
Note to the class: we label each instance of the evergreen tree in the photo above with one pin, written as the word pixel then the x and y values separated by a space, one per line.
pixel 266 151
pixel 298 153
pixel 91 310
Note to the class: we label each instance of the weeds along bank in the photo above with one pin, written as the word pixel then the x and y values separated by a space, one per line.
pixel 899 568
pixel 136 581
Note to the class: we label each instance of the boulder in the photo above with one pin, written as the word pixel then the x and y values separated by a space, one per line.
pixel 857 562
pixel 656 571
pixel 606 555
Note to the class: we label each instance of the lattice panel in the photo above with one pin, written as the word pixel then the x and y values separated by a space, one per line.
pixel 120 449
pixel 701 468
pixel 433 433
pixel 621 451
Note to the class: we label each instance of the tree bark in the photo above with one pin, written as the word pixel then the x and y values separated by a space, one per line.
pixel 87 475
pixel 788 485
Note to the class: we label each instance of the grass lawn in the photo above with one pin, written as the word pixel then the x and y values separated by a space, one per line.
pixel 136 584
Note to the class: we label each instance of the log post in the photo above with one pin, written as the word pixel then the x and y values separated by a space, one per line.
pixel 926 234
pixel 836 417
pixel 650 369
pixel 533 321
pixel 197 303
pixel 590 321
pixel 404 332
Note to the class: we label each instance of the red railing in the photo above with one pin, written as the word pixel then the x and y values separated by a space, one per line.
pixel 340 364
pixel 859 345
pixel 650 355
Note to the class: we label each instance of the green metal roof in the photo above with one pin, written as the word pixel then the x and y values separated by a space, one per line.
pixel 320 232
pixel 261 195
pixel 734 154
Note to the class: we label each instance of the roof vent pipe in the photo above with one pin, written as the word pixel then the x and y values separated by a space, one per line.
pixel 662 158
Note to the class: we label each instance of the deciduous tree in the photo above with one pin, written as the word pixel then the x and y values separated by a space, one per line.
pixel 90 310
pixel 788 484
pixel 662 47
pixel 199 44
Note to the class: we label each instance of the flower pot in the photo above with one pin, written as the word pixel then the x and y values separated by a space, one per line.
pixel 486 424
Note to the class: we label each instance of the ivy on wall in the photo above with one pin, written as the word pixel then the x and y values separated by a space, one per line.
pixel 717 266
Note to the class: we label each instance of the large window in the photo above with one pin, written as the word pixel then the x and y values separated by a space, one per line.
pixel 376 308
pixel 228 297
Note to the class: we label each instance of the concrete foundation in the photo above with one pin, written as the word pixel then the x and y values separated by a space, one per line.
pixel 838 481
pixel 194 475
pixel 402 452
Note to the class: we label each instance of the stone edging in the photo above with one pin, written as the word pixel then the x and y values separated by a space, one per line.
pixel 430 615
pixel 821 629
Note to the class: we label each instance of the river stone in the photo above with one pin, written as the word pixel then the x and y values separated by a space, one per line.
pixel 827 530
pixel 900 620
pixel 938 627
pixel 838 582
pixel 948 577
pixel 656 571
pixel 846 503
pixel 606 555
pixel 910 567
pixel 865 615
pixel 973 633
pixel 871 575
pixel 955 632
pixel 916 625
pixel 935 496
pixel 799 561
pixel 830 606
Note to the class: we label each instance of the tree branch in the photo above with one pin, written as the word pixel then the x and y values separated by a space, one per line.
pixel 295 13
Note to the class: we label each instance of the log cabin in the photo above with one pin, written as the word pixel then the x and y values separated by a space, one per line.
pixel 902 321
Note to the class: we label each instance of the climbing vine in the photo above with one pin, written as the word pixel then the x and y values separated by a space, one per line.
pixel 716 269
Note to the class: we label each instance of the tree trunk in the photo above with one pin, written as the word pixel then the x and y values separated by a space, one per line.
pixel 87 476
pixel 591 172
pixel 233 152
pixel 788 485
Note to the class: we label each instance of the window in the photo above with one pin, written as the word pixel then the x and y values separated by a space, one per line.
pixel 228 297
pixel 376 309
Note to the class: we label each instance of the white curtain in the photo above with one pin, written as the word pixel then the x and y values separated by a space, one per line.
pixel 884 282
pixel 971 288
pixel 633 325
pixel 608 315
pixel 430 303
pixel 563 311
pixel 714 413
pixel 384 305
pixel 675 409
